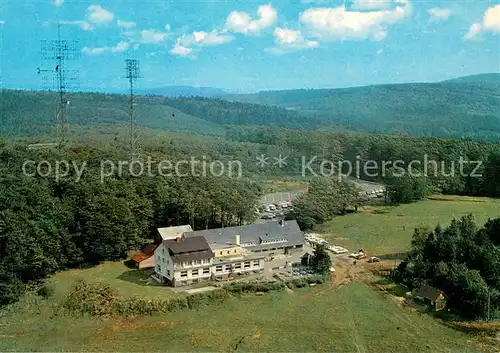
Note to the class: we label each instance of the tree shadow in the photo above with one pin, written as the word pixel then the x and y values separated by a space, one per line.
pixel 394 256
pixel 141 277
pixel 391 287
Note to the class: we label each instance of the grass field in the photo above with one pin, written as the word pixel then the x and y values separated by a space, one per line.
pixel 352 318
pixel 127 282
pixel 384 230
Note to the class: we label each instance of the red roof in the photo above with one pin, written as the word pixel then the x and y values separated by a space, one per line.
pixel 144 254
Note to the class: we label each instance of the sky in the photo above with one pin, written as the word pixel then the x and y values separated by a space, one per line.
pixel 251 45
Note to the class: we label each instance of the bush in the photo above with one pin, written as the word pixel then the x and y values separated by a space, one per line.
pixel 45 290
pixel 94 299
pixel 305 281
pixel 246 287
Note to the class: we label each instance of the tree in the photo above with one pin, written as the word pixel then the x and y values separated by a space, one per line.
pixel 321 261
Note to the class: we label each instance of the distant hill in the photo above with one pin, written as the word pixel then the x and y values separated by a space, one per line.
pixel 184 91
pixel 463 107
pixel 492 79
pixel 467 107
pixel 33 112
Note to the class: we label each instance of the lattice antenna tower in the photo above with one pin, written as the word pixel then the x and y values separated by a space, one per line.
pixel 133 74
pixel 59 52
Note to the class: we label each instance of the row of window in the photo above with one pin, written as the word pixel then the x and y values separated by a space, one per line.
pixel 274 241
pixel 195 262
pixel 251 243
pixel 227 252
pixel 196 272
pixel 236 266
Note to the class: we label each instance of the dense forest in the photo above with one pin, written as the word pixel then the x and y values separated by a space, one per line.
pixel 464 107
pixel 47 226
pixel 463 260
pixel 461 108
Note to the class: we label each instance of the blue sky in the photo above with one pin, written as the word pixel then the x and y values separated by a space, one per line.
pixel 253 45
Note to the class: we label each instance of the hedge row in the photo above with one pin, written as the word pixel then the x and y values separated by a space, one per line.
pixel 305 281
pixel 97 299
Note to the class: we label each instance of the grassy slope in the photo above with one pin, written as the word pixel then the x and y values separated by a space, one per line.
pixel 351 318
pixel 380 231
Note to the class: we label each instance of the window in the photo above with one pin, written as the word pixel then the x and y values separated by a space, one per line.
pixel 159 258
pixel 195 273
pixel 163 259
pixel 218 268
pixel 163 251
pixel 256 263
pixel 220 253
pixel 184 273
pixel 235 251
pixel 158 268
pixel 237 266
pixel 206 270
pixel 247 264
pixel 168 262
pixel 168 273
pixel 228 252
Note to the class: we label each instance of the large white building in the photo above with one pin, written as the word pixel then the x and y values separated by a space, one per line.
pixel 184 256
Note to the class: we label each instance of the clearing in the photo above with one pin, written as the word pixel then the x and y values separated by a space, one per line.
pixel 387 230
pixel 349 314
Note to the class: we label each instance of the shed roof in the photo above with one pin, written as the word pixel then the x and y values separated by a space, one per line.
pixel 428 292
pixel 172 232
pixel 253 234
pixel 144 254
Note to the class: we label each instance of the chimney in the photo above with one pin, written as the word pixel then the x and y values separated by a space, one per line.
pixel 178 239
pixel 238 239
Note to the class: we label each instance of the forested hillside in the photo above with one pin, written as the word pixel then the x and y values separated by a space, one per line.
pixel 462 107
pixel 27 113
pixel 465 107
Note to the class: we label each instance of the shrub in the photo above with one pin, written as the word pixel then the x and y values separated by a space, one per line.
pixel 245 287
pixel 93 299
pixel 305 281
pixel 45 290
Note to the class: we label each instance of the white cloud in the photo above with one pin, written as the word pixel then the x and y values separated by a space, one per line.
pixel 370 4
pixel 2 22
pixel 82 24
pixel 118 48
pixel 491 20
pixel 210 38
pixel 289 40
pixel 184 44
pixel 125 24
pixel 180 50
pixel 342 24
pixel 490 23
pixel 98 15
pixel 439 14
pixel 242 22
pixel 57 2
pixel 167 27
pixel 380 51
pixel 151 36
pixel 474 31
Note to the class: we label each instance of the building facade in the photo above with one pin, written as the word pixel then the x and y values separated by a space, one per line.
pixel 222 253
